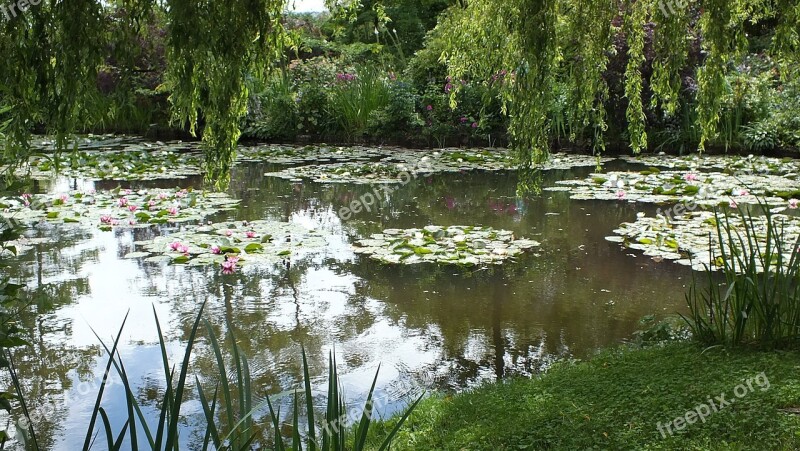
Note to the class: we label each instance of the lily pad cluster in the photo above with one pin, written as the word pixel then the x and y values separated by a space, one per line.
pixel 455 245
pixel 135 163
pixel 709 188
pixel 686 239
pixel 297 155
pixel 232 244
pixel 396 167
pixel 732 164
pixel 116 208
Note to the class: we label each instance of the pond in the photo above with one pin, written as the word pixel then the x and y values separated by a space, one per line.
pixel 429 326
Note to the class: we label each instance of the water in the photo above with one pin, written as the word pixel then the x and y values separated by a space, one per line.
pixel 440 328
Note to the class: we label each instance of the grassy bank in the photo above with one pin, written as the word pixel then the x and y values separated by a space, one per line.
pixel 616 400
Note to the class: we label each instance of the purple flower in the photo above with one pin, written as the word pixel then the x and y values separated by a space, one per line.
pixel 448 87
pixel 429 107
pixel 463 119
pixel 474 125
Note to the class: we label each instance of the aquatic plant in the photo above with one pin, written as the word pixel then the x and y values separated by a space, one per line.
pixel 455 245
pixel 759 302
pixel 228 411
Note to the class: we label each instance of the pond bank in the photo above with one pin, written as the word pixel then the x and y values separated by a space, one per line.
pixel 619 399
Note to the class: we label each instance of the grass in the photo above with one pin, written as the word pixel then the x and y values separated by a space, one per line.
pixel 615 400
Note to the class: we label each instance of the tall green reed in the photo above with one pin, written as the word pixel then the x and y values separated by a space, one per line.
pixel 759 302
pixel 355 98
pixel 229 410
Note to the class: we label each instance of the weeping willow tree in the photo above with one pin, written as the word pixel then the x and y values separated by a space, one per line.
pixel 52 51
pixel 558 52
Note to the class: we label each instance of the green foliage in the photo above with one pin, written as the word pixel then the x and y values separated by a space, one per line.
pixel 759 303
pixel 272 114
pixel 399 117
pixel 211 47
pixel 354 98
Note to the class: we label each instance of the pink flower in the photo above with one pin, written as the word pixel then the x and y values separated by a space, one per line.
pixel 63 197
pixel 733 204
pixel 463 119
pixel 793 203
pixel 131 222
pixel 173 211
pixel 26 196
pixel 132 208
pixel 162 196
pixel 215 249
pixel 183 249
pixel 114 222
pixel 228 267
pixel 621 195
pixel 122 201
pixel 448 87
pixel 690 177
pixel 106 219
pixel 228 232
pixel 233 258
pixel 474 125
pixel 151 203
pixel 429 107
pixel 181 194
pixel 250 234
pixel 740 192
pixel 126 192
pixel 175 245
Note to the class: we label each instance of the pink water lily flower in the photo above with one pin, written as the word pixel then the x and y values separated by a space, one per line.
pixel 793 203
pixel 228 267
pixel 228 232
pixel 429 107
pixel 250 234
pixel 63 197
pixel 151 203
pixel 132 208
pixel 740 192
pixel 175 245
pixel 162 196
pixel 621 195
pixel 215 249
pixel 181 193
pixel 733 204
pixel 122 201
pixel 233 258
pixel 183 249
pixel 173 210
pixel 106 219
pixel 690 177
pixel 131 222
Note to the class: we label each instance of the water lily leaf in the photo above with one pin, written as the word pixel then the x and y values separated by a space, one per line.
pixel 252 247
pixel 181 259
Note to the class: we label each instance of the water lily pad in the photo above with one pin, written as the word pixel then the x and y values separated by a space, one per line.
pixel 254 242
pixel 458 245
pixel 688 238
pixel 710 189
pixel 115 158
pixel 116 208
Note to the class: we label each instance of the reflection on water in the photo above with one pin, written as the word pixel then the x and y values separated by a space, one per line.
pixel 434 327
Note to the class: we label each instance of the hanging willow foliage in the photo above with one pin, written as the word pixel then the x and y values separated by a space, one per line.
pixel 213 46
pixel 567 43
pixel 52 52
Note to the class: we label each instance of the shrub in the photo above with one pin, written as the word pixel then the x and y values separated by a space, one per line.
pixel 399 118
pixel 273 112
